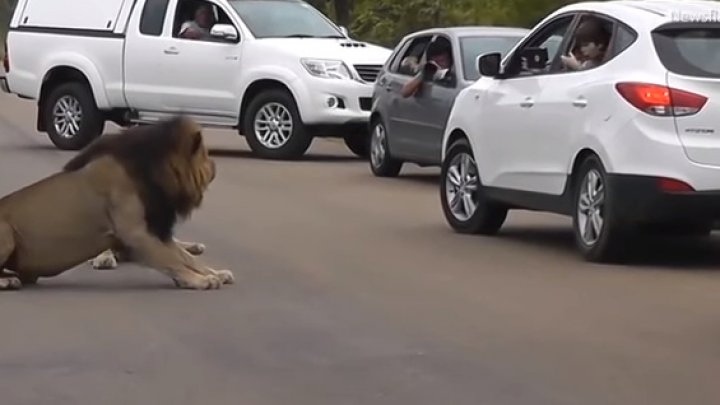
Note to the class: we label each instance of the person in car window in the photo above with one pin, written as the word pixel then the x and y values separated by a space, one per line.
pixel 437 68
pixel 199 28
pixel 591 42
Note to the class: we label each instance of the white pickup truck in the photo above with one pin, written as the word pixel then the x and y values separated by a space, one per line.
pixel 278 71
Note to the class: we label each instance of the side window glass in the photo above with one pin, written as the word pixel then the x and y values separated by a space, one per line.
pixel 412 58
pixel 440 54
pixel 590 44
pixel 153 17
pixel 195 19
pixel 623 39
pixel 548 40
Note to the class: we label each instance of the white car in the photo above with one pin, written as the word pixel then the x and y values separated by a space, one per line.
pixel 628 146
pixel 277 70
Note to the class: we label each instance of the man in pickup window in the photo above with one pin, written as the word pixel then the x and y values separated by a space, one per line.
pixel 199 28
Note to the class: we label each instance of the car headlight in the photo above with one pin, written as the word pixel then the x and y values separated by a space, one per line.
pixel 328 69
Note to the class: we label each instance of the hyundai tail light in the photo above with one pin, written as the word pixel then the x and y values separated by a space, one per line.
pixel 661 101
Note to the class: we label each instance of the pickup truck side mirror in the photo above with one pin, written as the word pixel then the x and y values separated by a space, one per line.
pixel 488 64
pixel 224 31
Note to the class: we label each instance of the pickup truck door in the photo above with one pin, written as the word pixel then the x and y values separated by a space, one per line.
pixel 147 36
pixel 205 73
pixel 176 75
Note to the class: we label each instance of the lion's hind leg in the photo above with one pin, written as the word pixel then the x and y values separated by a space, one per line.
pixel 8 281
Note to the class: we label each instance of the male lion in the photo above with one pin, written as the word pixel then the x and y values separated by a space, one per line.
pixel 124 193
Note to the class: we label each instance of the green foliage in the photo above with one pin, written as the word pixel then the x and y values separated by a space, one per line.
pixel 386 21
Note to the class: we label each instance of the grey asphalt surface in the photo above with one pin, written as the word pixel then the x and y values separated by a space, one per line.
pixel 352 290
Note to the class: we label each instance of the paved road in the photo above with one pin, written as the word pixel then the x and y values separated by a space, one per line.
pixel 352 290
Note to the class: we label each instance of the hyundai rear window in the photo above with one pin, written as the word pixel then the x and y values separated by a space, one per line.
pixel 689 50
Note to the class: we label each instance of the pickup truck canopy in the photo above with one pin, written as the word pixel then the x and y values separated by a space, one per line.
pixel 96 15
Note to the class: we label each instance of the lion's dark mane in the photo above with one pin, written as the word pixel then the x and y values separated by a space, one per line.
pixel 142 151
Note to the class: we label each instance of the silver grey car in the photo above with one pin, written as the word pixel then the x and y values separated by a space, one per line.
pixel 409 128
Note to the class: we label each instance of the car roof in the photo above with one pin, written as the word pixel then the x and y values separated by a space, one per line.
pixel 473 30
pixel 651 13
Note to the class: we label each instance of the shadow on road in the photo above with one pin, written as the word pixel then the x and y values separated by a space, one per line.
pixel 665 252
pixel 310 157
pixel 432 179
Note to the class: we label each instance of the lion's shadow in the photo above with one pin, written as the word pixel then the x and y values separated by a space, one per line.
pixel 308 157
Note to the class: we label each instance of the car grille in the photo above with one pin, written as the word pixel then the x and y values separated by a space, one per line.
pixel 368 73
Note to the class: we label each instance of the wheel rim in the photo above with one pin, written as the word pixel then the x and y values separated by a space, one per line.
pixel 273 125
pixel 67 117
pixel 461 186
pixel 377 146
pixel 591 202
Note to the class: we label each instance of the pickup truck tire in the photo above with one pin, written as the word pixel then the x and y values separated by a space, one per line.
pixel 358 143
pixel 273 128
pixel 82 123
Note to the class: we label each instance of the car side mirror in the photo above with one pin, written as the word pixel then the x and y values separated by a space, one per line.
pixel 224 31
pixel 344 31
pixel 489 64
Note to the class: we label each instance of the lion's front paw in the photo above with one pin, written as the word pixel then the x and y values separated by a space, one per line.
pixel 209 282
pixel 10 283
pixel 104 261
pixel 195 249
pixel 226 276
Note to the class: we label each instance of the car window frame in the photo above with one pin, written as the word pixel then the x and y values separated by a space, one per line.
pixel 532 37
pixel 394 69
pixel 613 51
pixel 453 82
pixel 219 7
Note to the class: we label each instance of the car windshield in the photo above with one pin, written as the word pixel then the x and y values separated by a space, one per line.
pixel 284 19
pixel 472 47
pixel 692 52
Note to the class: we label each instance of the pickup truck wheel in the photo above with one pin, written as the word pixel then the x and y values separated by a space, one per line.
pixel 358 143
pixel 71 116
pixel 273 128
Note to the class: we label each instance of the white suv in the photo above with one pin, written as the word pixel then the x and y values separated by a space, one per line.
pixel 277 70
pixel 631 144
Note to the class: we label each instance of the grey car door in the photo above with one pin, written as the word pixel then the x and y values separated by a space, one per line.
pixel 400 110
pixel 430 115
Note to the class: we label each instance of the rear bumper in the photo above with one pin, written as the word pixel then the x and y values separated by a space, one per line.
pixel 4 85
pixel 639 199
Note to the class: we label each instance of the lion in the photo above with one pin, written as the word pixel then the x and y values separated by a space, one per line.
pixel 124 193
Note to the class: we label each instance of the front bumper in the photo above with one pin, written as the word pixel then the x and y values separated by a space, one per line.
pixel 639 199
pixel 333 102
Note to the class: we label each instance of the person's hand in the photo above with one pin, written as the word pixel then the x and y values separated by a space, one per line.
pixel 570 61
pixel 429 71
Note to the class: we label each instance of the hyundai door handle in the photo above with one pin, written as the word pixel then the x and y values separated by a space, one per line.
pixel 527 103
pixel 171 51
pixel 580 102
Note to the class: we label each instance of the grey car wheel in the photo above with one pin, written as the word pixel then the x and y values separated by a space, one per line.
pixel 382 163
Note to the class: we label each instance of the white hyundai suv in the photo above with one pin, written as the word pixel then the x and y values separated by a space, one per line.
pixel 630 144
